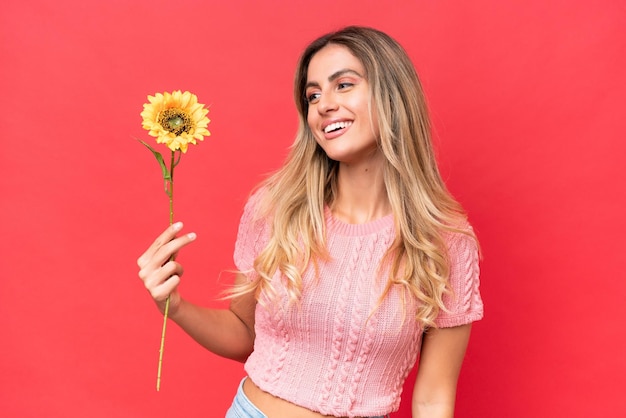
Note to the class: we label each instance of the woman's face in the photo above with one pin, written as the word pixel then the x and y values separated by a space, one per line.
pixel 339 105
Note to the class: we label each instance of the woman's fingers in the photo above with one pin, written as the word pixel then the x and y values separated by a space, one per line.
pixel 161 291
pixel 165 237
pixel 159 271
pixel 166 245
pixel 157 277
pixel 157 264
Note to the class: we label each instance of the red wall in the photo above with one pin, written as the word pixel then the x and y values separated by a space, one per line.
pixel 528 105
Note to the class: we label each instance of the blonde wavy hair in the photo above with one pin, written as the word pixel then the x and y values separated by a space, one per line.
pixel 423 209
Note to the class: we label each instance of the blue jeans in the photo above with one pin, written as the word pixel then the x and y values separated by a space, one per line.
pixel 243 408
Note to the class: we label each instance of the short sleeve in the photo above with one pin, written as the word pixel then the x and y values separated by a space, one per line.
pixel 252 235
pixel 464 303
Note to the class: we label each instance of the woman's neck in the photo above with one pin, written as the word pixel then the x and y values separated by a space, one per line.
pixel 362 195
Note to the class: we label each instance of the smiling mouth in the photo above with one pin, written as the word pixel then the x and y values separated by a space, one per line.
pixel 333 127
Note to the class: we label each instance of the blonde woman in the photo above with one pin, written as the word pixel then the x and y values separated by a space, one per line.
pixel 354 260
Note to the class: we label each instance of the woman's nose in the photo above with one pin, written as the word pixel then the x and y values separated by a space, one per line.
pixel 327 103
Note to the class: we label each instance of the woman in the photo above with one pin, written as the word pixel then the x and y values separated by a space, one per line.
pixel 353 258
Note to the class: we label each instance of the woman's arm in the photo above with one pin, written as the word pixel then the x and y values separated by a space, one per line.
pixel 226 332
pixel 442 353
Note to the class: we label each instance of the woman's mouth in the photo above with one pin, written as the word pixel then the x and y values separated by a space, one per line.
pixel 336 126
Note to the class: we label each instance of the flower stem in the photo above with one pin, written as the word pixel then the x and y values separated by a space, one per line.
pixel 170 193
pixel 171 188
pixel 167 308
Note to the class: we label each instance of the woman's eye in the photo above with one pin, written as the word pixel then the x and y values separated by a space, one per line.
pixel 344 85
pixel 312 97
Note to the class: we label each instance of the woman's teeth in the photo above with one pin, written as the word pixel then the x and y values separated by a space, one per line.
pixel 337 125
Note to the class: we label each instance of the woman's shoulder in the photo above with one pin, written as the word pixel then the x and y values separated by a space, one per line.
pixel 461 243
pixel 253 231
pixel 458 231
pixel 256 202
pixel 464 304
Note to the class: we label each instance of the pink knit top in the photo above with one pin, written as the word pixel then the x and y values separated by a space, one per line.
pixel 333 352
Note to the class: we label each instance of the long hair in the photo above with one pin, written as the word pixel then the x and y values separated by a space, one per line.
pixel 423 209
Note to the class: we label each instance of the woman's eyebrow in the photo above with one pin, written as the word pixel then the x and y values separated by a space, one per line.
pixel 334 76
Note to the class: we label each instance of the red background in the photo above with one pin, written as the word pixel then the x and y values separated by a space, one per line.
pixel 528 105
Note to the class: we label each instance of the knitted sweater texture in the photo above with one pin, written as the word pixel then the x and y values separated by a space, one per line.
pixel 334 352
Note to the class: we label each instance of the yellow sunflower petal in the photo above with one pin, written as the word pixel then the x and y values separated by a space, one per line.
pixel 175 119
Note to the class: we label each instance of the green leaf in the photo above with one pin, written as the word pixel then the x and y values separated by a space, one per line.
pixel 166 174
pixel 180 154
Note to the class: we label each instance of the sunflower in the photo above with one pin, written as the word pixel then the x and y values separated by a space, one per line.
pixel 175 119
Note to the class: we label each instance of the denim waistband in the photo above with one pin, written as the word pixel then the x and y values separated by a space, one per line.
pixel 243 408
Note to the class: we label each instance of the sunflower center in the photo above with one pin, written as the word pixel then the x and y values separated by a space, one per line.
pixel 175 121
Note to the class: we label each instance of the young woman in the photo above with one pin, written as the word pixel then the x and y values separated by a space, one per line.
pixel 354 259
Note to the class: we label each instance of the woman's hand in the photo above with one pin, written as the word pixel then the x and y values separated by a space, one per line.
pixel 158 270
